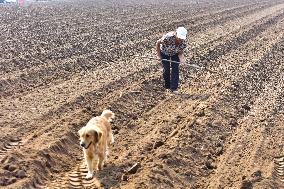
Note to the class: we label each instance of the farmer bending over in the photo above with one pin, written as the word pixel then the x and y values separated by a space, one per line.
pixel 171 47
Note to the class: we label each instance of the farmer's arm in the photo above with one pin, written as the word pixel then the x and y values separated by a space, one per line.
pixel 181 57
pixel 158 49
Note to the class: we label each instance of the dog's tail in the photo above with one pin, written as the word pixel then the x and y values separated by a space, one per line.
pixel 109 115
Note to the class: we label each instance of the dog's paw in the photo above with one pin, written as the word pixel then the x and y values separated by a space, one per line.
pixel 89 176
pixel 99 168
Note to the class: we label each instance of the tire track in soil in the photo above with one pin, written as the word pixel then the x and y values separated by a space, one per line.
pixel 75 179
pixel 9 146
pixel 278 172
pixel 265 166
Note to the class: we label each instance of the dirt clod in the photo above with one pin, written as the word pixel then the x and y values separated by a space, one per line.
pixel 219 151
pixel 257 176
pixel 157 144
pixel 134 168
pixel 246 185
pixel 124 177
pixel 210 164
pixel 21 174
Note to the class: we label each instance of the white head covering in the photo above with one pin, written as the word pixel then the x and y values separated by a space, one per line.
pixel 181 32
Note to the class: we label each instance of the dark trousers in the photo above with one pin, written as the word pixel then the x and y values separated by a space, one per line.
pixel 171 72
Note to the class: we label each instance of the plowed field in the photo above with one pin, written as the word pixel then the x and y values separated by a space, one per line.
pixel 63 62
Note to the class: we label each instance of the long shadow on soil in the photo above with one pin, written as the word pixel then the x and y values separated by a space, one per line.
pixel 110 175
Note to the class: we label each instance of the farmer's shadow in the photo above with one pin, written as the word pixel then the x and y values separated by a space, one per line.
pixel 187 96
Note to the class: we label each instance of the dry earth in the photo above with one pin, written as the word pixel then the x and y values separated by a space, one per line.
pixel 63 62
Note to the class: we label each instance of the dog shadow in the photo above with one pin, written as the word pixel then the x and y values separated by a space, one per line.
pixel 110 175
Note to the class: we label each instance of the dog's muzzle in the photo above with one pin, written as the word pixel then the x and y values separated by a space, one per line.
pixel 84 146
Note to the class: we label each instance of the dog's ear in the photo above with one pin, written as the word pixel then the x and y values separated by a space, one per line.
pixel 97 136
pixel 80 132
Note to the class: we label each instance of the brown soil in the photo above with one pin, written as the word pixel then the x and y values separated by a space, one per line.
pixel 63 62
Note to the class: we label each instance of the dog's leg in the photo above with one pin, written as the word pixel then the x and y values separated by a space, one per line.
pixel 110 141
pixel 96 160
pixel 90 167
pixel 107 154
pixel 111 138
pixel 101 160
